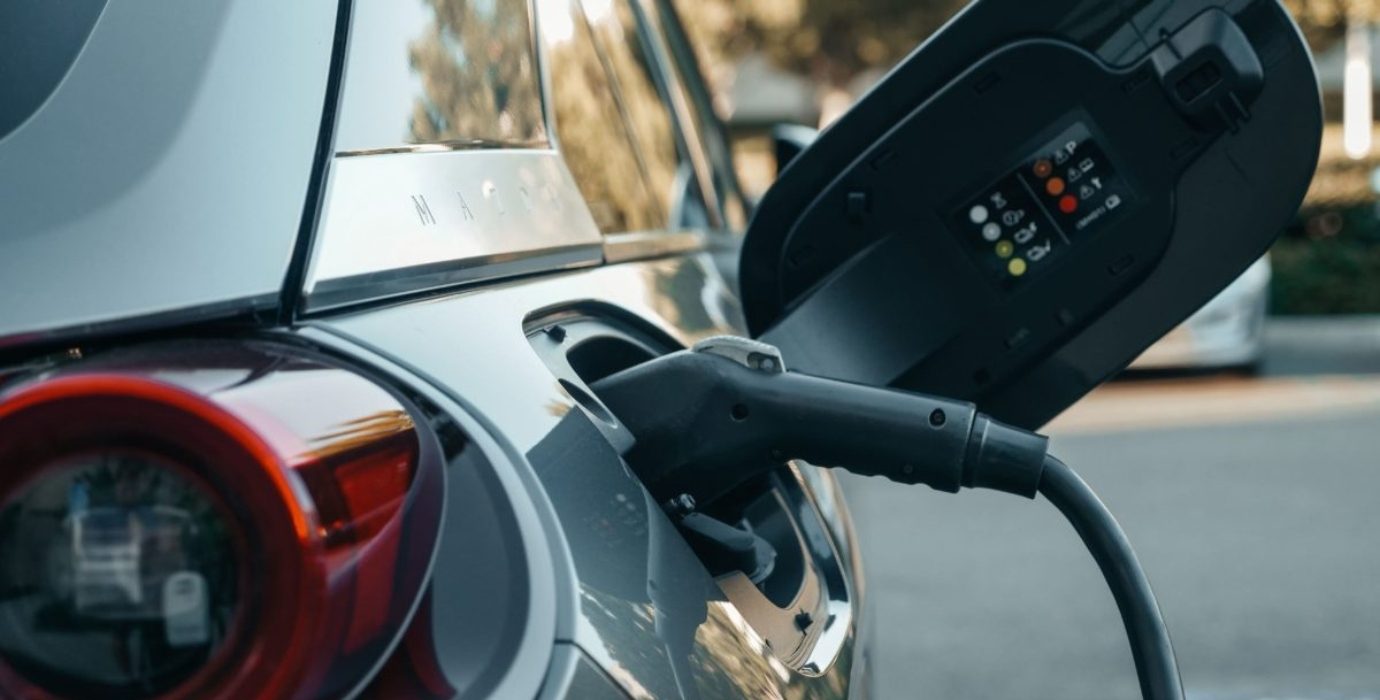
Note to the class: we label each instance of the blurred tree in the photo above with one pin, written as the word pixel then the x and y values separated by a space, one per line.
pixel 478 76
pixel 838 39
pixel 830 41
pixel 593 132
pixel 1324 21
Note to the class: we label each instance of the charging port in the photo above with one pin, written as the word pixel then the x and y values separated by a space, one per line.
pixel 763 542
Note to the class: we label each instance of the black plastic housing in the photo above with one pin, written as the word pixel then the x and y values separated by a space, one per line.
pixel 1202 123
pixel 727 423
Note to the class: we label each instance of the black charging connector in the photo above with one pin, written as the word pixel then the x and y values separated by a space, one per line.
pixel 710 419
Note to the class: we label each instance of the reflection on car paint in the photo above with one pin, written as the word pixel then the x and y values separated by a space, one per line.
pixel 617 551
pixel 448 74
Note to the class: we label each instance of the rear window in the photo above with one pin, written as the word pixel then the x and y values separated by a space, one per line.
pixel 443 73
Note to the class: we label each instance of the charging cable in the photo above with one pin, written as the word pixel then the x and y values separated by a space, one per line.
pixel 708 419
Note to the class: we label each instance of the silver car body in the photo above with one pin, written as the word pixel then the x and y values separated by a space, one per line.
pixel 164 177
pixel 184 177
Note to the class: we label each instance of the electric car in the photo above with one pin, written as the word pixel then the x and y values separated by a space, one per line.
pixel 310 311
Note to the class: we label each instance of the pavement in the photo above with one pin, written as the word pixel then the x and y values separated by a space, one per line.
pixel 1251 501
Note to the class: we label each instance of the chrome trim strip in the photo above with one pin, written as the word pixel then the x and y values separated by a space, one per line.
pixel 397 224
pixel 444 147
pixel 348 291
pixel 625 247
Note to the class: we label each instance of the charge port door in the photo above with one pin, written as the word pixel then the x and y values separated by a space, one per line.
pixel 1035 196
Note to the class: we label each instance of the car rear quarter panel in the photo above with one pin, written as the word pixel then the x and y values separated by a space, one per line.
pixel 623 550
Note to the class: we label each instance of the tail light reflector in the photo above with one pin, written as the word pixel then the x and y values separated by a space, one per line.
pixel 208 520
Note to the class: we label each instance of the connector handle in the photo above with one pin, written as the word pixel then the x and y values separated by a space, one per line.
pixel 704 424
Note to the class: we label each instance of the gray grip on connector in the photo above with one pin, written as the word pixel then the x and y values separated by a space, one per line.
pixel 1004 458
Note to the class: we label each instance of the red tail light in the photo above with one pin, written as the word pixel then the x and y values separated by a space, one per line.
pixel 208 521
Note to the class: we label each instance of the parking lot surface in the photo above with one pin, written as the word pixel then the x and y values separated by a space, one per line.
pixel 1252 502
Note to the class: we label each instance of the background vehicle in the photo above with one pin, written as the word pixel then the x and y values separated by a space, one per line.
pixel 1227 333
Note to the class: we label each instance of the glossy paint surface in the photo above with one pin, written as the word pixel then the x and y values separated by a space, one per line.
pixel 491 606
pixel 169 169
pixel 641 605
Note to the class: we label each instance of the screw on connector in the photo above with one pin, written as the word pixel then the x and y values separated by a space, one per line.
pixel 680 506
pixel 937 418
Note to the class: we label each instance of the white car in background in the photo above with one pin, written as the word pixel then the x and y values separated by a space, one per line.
pixel 1227 333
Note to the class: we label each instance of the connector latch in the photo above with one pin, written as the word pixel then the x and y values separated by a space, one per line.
pixel 1210 72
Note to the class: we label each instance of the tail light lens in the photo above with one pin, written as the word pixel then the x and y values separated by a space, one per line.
pixel 122 555
pixel 208 521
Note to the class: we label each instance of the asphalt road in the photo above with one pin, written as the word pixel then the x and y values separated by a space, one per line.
pixel 1252 503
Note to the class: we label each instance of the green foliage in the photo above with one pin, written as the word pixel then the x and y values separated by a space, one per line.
pixel 830 41
pixel 478 81
pixel 837 39
pixel 1334 273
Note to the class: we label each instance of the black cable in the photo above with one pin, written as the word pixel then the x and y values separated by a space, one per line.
pixel 1145 628
pixel 732 420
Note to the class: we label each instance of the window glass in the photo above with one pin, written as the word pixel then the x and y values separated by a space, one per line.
pixel 590 127
pixel 644 102
pixel 451 73
pixel 712 137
